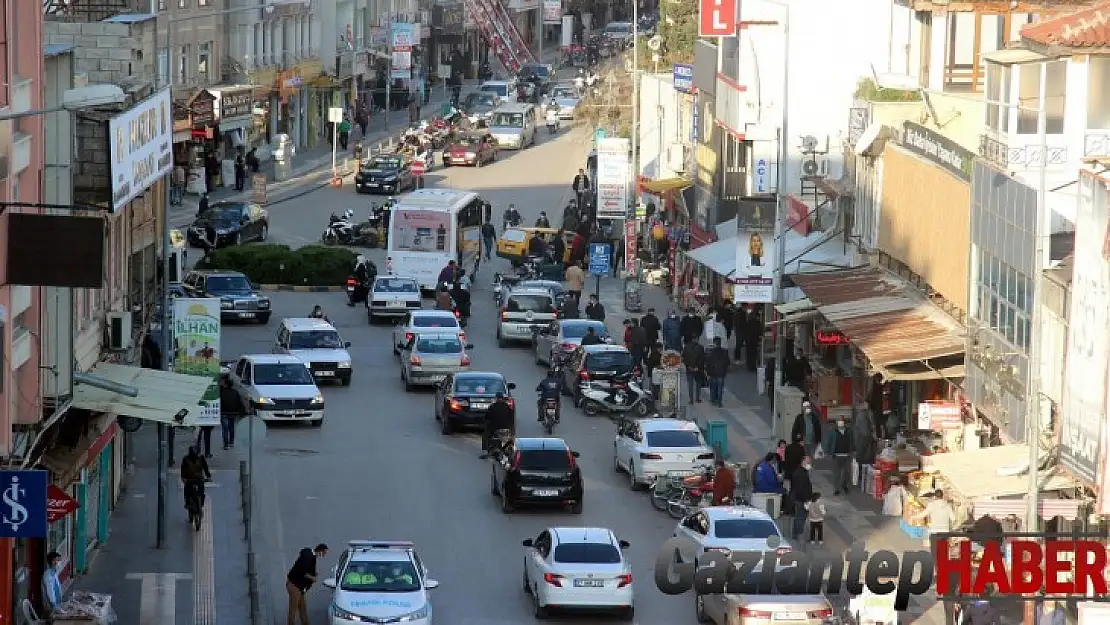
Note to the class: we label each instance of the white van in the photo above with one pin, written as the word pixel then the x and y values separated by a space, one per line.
pixel 514 125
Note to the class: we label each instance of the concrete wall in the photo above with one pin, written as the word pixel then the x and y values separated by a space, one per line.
pixel 659 127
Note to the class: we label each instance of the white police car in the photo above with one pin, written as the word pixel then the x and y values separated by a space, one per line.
pixel 380 581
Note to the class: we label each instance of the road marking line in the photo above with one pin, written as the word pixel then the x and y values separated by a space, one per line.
pixel 158 597
pixel 204 589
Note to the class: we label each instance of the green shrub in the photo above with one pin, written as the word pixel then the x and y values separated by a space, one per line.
pixel 313 265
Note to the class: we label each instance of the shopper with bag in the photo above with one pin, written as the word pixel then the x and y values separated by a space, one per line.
pixel 808 425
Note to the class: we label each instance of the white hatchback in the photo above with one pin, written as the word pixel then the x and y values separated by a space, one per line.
pixel 578 569
pixel 647 449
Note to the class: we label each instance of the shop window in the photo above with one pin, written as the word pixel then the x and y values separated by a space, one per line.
pixel 1098 92
pixel 1029 86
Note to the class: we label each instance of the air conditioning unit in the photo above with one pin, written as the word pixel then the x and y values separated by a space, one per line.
pixel 119 331
pixel 677 156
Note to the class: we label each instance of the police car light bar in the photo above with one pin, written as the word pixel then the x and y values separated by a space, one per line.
pixel 380 544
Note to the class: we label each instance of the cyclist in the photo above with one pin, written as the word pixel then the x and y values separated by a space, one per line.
pixel 194 472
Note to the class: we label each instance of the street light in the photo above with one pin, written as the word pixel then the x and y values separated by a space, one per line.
pixel 74 100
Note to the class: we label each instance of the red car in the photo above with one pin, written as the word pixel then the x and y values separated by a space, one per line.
pixel 470 150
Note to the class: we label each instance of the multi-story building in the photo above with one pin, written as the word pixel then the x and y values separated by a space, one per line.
pixel 195 30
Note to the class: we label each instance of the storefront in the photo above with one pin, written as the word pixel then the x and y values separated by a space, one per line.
pixel 290 109
pixel 235 119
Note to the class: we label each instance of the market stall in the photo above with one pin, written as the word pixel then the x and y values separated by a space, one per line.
pixel 85 608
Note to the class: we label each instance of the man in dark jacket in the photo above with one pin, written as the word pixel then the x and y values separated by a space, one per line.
pixel 739 325
pixel 842 448
pixel 489 237
pixel 753 337
pixel 801 491
pixel 594 310
pixel 793 456
pixel 299 579
pixel 581 186
pixel 672 332
pixel 637 343
pixel 591 338
pixel 693 358
pixel 692 326
pixel 559 247
pixel 500 416
pixel 716 367
pixel 652 327
pixel 231 408
pixel 807 426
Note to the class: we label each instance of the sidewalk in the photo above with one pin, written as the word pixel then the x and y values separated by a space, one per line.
pixel 200 576
pixel 852 517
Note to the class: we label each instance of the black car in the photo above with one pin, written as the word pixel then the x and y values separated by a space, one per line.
pixel 228 223
pixel 385 173
pixel 537 471
pixel 536 73
pixel 239 300
pixel 590 364
pixel 463 399
pixel 480 104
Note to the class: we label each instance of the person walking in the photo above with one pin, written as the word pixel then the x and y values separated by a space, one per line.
pixel 652 327
pixel 740 327
pixel 753 338
pixel 801 491
pixel 692 327
pixel 344 133
pixel 693 357
pixel 300 578
pixel 807 428
pixel 489 237
pixel 672 332
pixel 842 448
pixel 792 456
pixel 594 310
pixel 815 514
pixel 231 408
pixel 575 282
pixel 637 344
pixel 581 186
pixel 240 173
pixel 716 368
pixel 204 440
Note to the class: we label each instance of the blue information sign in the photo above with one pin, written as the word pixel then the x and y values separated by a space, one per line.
pixel 601 258
pixel 683 77
pixel 23 504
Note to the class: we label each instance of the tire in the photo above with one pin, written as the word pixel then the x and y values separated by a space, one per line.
pixel 524 583
pixel 345 381
pixel 658 502
pixel 548 427
pixel 506 504
pixel 616 463
pixel 540 612
pixel 369 317
pixel 493 484
pixel 632 483
pixel 445 427
pixel 678 509
pixel 408 386
pixel 501 343
pixel 264 319
pixel 318 423
pixel 265 233
pixel 576 507
pixel 641 409
pixel 591 407
pixel 628 614
pixel 699 608
pixel 536 351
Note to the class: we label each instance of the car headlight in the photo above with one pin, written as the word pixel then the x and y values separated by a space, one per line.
pixel 338 612
pixel 422 613
pixel 345 364
pixel 264 401
pixel 263 303
pixel 390 179
pixel 226 304
pixel 470 154
pixel 223 231
pixel 318 400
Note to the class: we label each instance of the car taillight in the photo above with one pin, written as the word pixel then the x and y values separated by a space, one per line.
pixel 504 316
pixel 458 404
pixel 748 612
pixel 556 314
pixel 553 579
pixel 625 580
pixel 568 346
pixel 408 336
pixel 782 550
pixel 708 456
pixel 584 376
pixel 516 461
pixel 571 460
pixel 465 360
pixel 457 315
pixel 414 360
pixel 827 612
pixel 512 403
pixel 644 456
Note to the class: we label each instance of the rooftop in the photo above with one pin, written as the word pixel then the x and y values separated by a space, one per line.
pixel 1085 29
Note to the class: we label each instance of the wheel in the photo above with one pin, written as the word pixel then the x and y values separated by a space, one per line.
pixel 396 352
pixel 265 232
pixel 524 583
pixel 369 317
pixel 632 483
pixel 318 423
pixel 678 507
pixel 477 163
pixel 197 518
pixel 540 612
pixel 548 427
pixel 628 614
pixel 493 484
pixel 408 386
pixel 641 409
pixel 576 507
pixel 345 381
pixel 264 319
pixel 536 351
pixel 506 503
pixel 445 426
pixel 616 463
pixel 658 501
pixel 501 343
pixel 591 407
pixel 699 608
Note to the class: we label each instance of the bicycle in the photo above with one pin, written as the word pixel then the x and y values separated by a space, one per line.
pixel 194 503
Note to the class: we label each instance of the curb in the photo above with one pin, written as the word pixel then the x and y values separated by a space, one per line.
pixel 298 288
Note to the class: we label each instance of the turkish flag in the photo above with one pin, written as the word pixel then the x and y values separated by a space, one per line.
pixel 58 504
pixel 716 18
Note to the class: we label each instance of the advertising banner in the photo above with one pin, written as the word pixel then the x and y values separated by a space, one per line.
pixel 196 345
pixel 754 280
pixel 614 172
pixel 403 37
pixel 630 247
pixel 552 12
pixel 419 231
pixel 140 146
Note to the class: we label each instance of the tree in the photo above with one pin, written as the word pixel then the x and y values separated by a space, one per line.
pixel 678 28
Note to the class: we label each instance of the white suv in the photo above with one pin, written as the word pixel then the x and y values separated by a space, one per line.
pixel 319 345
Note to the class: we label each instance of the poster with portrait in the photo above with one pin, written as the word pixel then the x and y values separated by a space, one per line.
pixel 754 279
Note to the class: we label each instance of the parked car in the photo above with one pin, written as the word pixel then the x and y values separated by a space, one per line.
pixel 278 387
pixel 228 223
pixel 239 299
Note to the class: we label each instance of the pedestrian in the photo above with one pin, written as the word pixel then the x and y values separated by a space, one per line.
pixel 253 161
pixel 672 332
pixel 654 362
pixel 693 357
pixel 344 133
pixel 414 110
pixel 51 585
pixel 231 408
pixel 713 327
pixel 204 440
pixel 726 315
pixel 302 575
pixel 626 337
pixel 692 327
pixel 866 449
pixel 724 484
pixel 594 310
pixel 489 237
pixel 815 514
pixel 842 448
pixel 765 479
pixel 618 255
pixel 652 327
pixel 559 247
pixel 581 186
pixel 1051 613
pixel 716 368
pixel 793 455
pixel 739 325
pixel 801 491
pixel 807 428
pixel 575 282
pixel 637 344
pixel 940 515
pixel 202 206
pixel 240 173
pixel 753 339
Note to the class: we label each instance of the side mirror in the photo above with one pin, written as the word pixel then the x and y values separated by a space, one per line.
pixel 346 344
pixel 512 386
pixel 330 582
pixel 470 345
pixel 431 584
pixel 575 454
pixel 527 542
pixel 624 544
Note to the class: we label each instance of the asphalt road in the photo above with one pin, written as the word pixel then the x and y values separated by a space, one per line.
pixel 380 468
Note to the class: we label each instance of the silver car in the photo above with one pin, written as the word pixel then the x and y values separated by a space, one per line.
pixel 424 321
pixel 523 310
pixel 392 296
pixel 566 98
pixel 562 336
pixel 428 358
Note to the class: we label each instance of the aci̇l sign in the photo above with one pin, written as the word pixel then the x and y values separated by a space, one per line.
pixel 716 18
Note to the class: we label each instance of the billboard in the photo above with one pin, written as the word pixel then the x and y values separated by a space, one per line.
pixel 196 350
pixel 140 147
pixel 716 18
pixel 420 231
pixel 552 12
pixel 754 280
pixel 614 172
pixel 403 38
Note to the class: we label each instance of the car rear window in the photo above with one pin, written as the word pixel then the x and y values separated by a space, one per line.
pixel 745 528
pixel 674 438
pixel 515 236
pixel 395 285
pixel 607 361
pixel 531 303
pixel 480 386
pixel 587 553
pixel 577 329
pixel 438 321
pixel 544 460
pixel 501 90
pixel 439 346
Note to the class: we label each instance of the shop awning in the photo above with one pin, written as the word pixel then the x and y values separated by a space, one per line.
pixel 719 257
pixel 903 335
pixel 797 310
pixel 665 185
pixel 66 459
pixel 161 394
pixel 982 476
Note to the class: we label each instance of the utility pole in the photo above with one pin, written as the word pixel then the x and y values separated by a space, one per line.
pixel 635 102
pixel 780 200
pixel 167 331
pixel 389 71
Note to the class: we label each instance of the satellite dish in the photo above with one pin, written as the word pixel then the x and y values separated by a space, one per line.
pixel 655 43
pixel 809 143
pixel 809 168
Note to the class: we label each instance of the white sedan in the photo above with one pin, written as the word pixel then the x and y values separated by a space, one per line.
pixel 392 297
pixel 726 529
pixel 650 448
pixel 580 569
pixel 420 321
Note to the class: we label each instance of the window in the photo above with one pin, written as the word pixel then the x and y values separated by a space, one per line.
pixel 161 5
pixel 1029 86
pixel 285 374
pixel 181 4
pixel 545 459
pixel 674 438
pixel 315 339
pixel 587 553
pixel 202 3
pixel 745 528
pixel 437 321
pixel 439 346
pixel 1098 92
pixel 203 57
pixel 256 45
pixel 163 66
pixel 998 91
pixel 183 64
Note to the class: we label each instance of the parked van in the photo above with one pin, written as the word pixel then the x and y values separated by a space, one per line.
pixel 514 125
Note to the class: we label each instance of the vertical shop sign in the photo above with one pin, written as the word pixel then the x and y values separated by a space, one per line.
pixel 613 177
pixel 403 38
pixel 196 345
pixel 630 228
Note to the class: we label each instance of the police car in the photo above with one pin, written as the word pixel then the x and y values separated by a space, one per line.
pixel 380 581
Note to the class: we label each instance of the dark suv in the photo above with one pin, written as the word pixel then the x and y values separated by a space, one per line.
pixel 595 363
pixel 239 300
pixel 537 471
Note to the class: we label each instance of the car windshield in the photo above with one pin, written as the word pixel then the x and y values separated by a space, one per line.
pixel 282 374
pixel 377 576
pixel 674 438
pixel 587 553
pixel 439 345
pixel 230 212
pixel 464 142
pixel 501 90
pixel 480 99
pixel 315 339
pixel 508 120
pixel 554 287
pixel 577 329
pixel 608 361
pixel 544 460
pixel 480 386
pixel 530 303
pixel 395 285
pixel 564 94
pixel 619 29
pixel 385 162
pixel 222 284
pixel 745 528
pixel 539 71
pixel 438 321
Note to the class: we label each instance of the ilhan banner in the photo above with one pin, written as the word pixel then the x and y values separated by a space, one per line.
pixel 196 348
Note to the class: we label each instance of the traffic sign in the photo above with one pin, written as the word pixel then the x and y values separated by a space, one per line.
pixel 417 168
pixel 601 258
pixel 23 504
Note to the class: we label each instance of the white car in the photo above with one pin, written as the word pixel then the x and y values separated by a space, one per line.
pixel 392 296
pixel 318 344
pixel 646 449
pixel 438 321
pixel 377 581
pixel 727 529
pixel 277 387
pixel 504 89
pixel 578 568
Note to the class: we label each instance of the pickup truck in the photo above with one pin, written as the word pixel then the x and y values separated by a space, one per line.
pixel 277 387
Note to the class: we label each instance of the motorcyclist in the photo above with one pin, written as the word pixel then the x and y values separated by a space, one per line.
pixel 552 116
pixel 318 313
pixel 500 416
pixel 537 246
pixel 443 297
pixel 194 472
pixel 580 80
pixel 461 298
pixel 364 273
pixel 449 273
pixel 548 388
pixel 514 215
pixel 541 221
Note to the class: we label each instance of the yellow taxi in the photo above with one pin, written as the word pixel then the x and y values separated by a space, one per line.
pixel 513 243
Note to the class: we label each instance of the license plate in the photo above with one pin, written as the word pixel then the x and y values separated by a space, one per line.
pixel 545 493
pixel 791 616
pixel 589 583
pixel 438 378
pixel 246 315
pixel 325 374
pixel 480 406
pixel 372 184
pixel 396 303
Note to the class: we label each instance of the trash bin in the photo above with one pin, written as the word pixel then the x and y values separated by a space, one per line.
pixel 716 434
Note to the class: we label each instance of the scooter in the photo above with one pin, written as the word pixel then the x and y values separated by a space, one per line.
pixel 552 116
pixel 340 230
pixel 630 397
pixel 550 414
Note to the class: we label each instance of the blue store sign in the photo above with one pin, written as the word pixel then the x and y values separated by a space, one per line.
pixel 23 504
pixel 683 77
pixel 601 258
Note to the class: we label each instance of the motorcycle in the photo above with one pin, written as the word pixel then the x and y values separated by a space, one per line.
pixel 502 284
pixel 358 293
pixel 629 397
pixel 550 414
pixel 485 72
pixel 552 116
pixel 340 230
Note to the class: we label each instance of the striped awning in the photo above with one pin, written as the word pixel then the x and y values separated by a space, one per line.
pixel 1002 508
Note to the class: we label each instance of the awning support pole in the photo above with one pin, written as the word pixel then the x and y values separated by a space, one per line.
pixel 105 384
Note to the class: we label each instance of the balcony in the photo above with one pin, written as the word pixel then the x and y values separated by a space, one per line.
pixel 21 347
pixel 20 299
pixel 21 153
